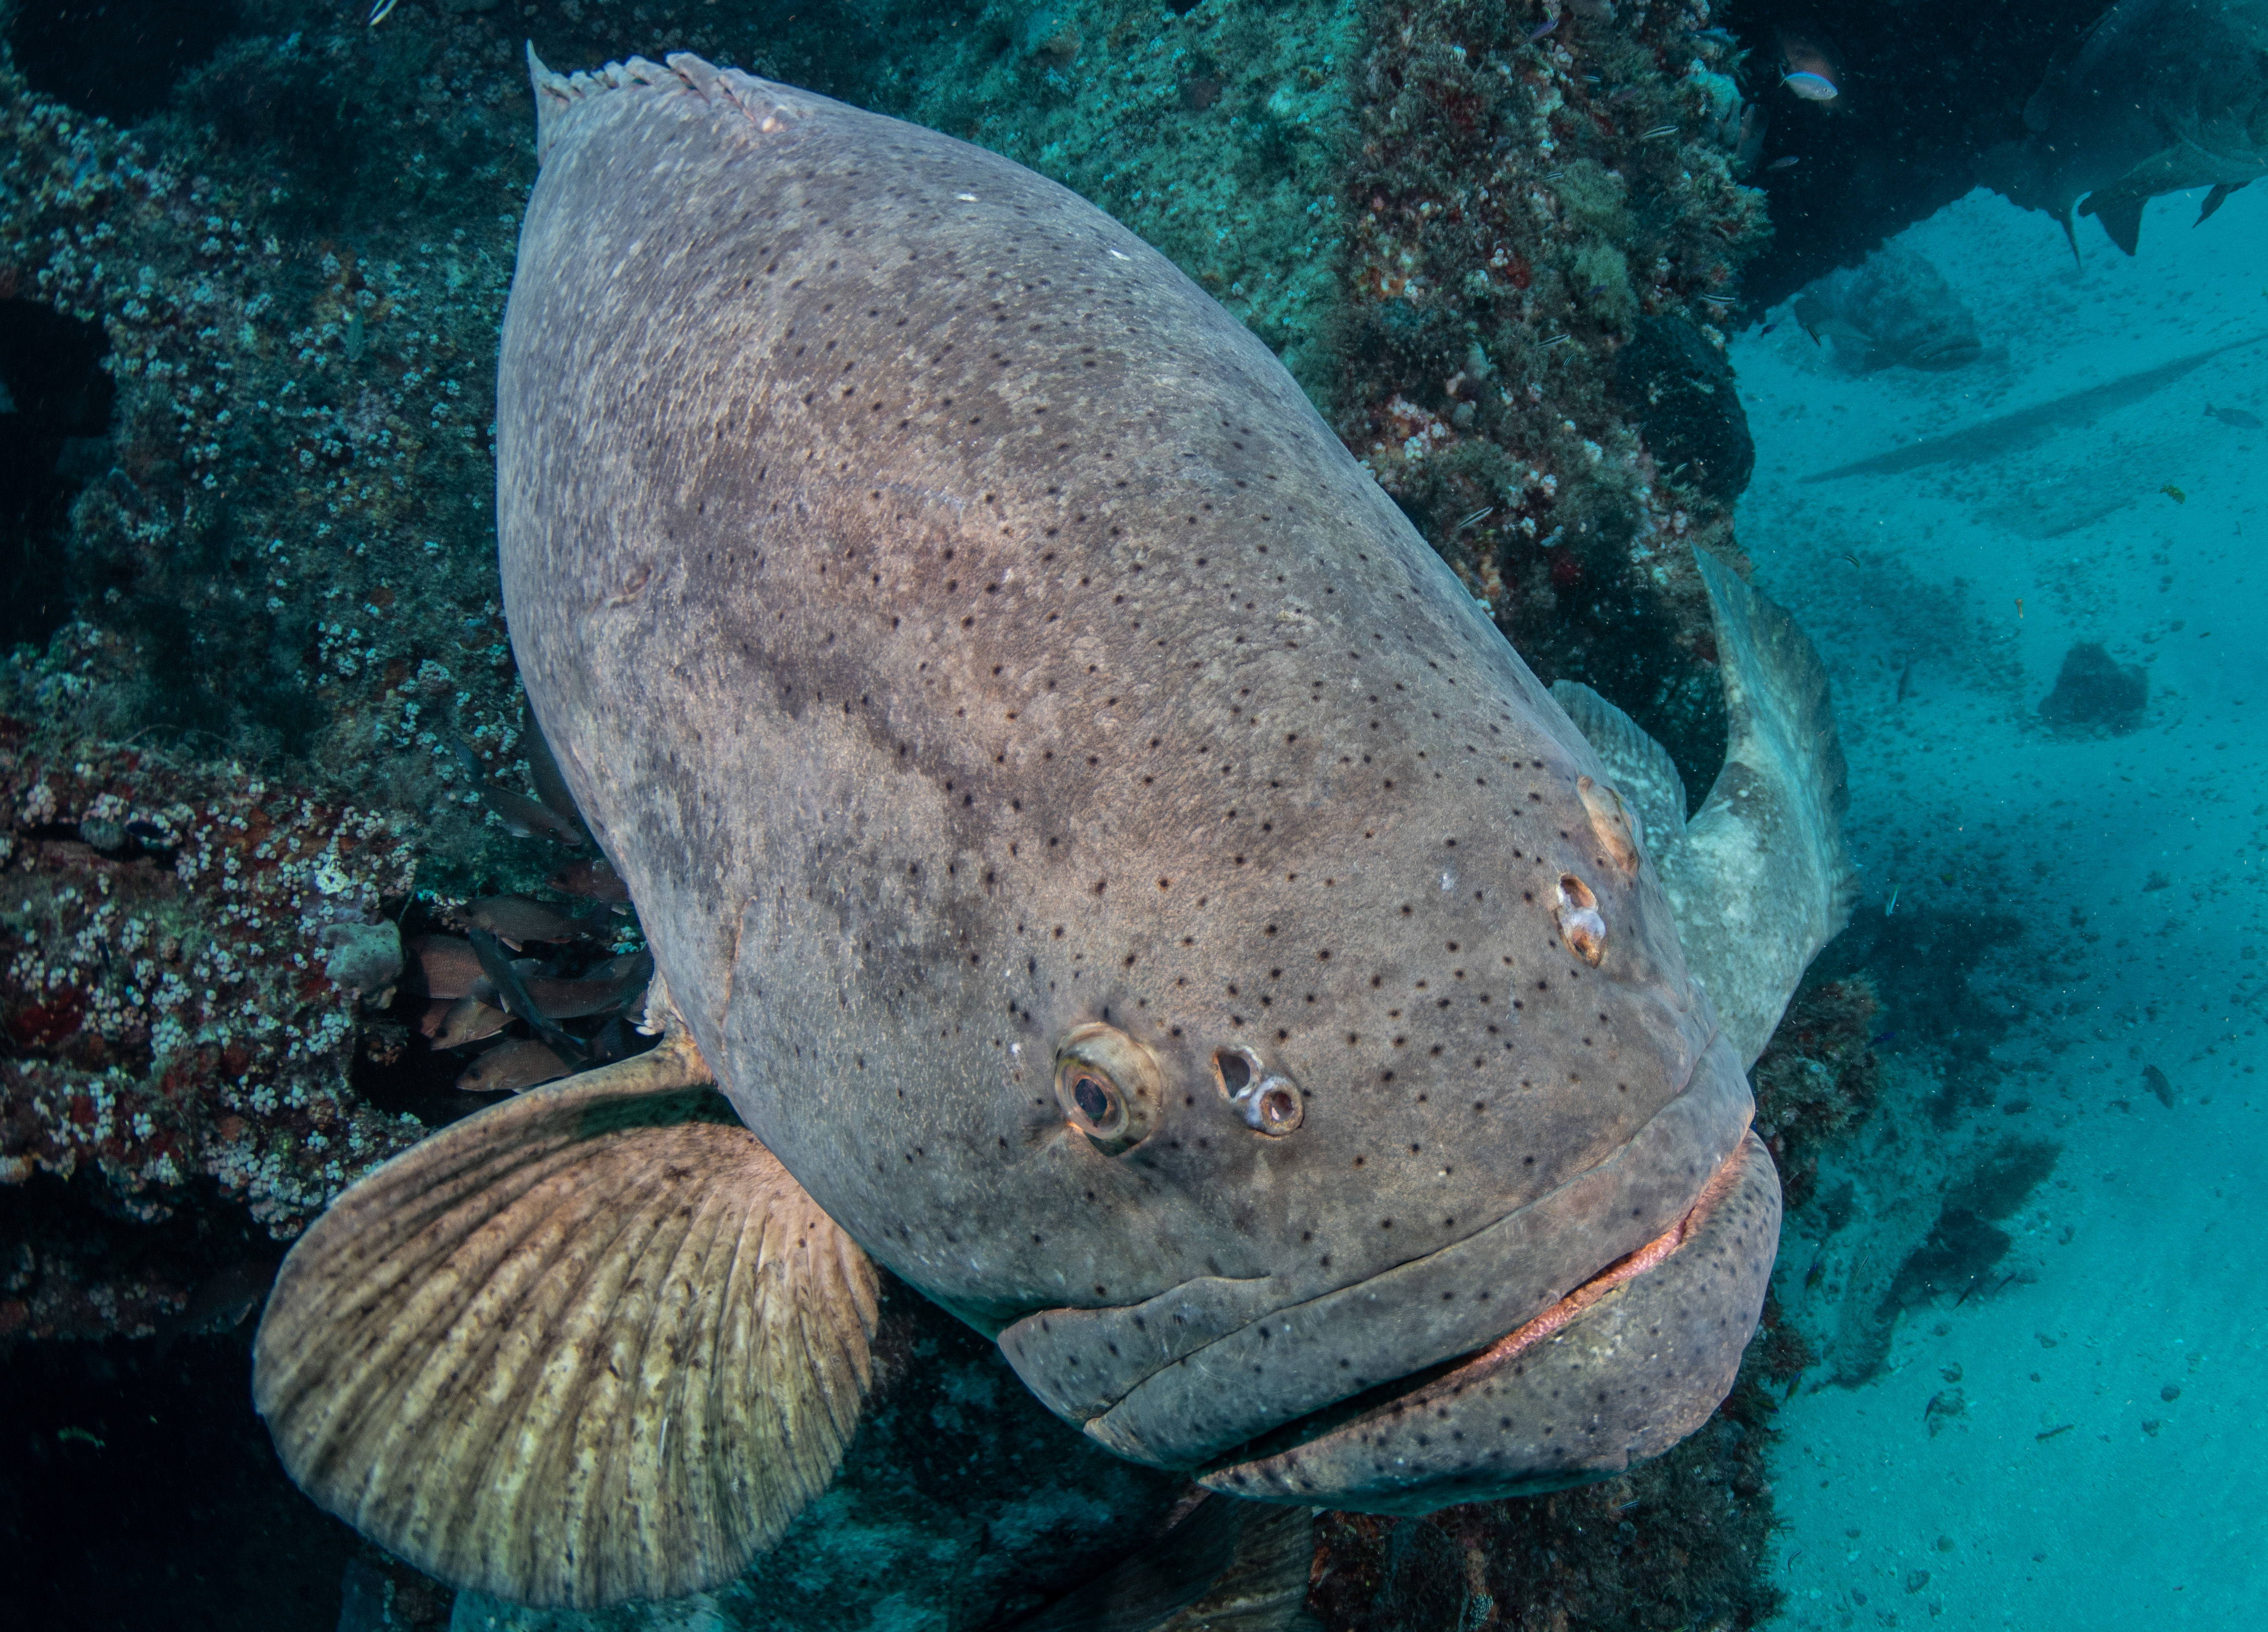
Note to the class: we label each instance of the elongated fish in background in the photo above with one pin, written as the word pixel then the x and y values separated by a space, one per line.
pixel 2159 95
pixel 1118 878
pixel 1894 308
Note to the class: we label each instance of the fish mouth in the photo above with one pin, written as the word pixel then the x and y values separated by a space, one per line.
pixel 1617 1371
pixel 1209 1367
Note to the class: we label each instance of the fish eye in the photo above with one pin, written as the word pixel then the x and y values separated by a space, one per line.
pixel 1109 1085
pixel 1268 1101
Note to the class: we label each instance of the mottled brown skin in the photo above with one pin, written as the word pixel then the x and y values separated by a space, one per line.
pixel 957 629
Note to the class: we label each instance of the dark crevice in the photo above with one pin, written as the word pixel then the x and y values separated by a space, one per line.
pixel 116 58
pixel 54 410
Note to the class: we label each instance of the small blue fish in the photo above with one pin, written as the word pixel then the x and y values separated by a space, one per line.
pixel 1885 1037
pixel 1812 87
pixel 1541 29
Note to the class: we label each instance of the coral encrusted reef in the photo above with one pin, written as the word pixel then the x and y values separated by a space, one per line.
pixel 264 768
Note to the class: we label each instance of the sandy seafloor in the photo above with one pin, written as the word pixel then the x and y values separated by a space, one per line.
pixel 2141 1257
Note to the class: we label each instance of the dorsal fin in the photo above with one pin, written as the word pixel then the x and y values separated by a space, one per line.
pixel 1638 765
pixel 591 1344
pixel 1767 881
pixel 561 97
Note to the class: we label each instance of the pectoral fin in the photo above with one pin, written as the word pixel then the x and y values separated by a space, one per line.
pixel 2215 199
pixel 2121 217
pixel 2172 169
pixel 591 1344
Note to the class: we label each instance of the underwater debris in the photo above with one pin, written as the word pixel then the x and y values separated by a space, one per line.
pixel 2093 689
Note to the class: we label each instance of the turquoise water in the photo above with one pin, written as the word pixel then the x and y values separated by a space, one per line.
pixel 2099 1470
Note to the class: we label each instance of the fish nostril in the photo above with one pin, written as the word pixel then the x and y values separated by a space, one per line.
pixel 1276 1110
pixel 1267 1100
pixel 1580 925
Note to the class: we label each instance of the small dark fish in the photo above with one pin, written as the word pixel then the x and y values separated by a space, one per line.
pixel 1768 328
pixel 509 1067
pixel 516 919
pixel 528 819
pixel 543 769
pixel 2060 1428
pixel 1885 1037
pixel 466 1021
pixel 1813 1276
pixel 595 992
pixel 2159 1084
pixel 1541 29
pixel 2237 417
pixel 448 966
pixel 219 1302
pixel 594 880
pixel 1786 161
pixel 1905 681
pixel 511 988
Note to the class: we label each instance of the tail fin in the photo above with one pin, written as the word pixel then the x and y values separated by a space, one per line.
pixel 1769 880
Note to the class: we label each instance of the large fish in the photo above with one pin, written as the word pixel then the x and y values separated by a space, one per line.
pixel 1118 878
pixel 2159 95
pixel 1894 308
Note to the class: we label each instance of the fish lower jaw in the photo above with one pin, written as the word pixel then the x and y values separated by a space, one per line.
pixel 1617 1371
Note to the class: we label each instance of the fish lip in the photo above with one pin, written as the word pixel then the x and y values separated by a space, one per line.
pixel 1396 1396
pixel 1155 1394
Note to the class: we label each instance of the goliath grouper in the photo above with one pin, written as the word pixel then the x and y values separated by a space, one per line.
pixel 1118 878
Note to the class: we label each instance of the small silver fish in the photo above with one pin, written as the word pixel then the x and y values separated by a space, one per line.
pixel 1541 29
pixel 1812 87
pixel 1482 514
pixel 1786 161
